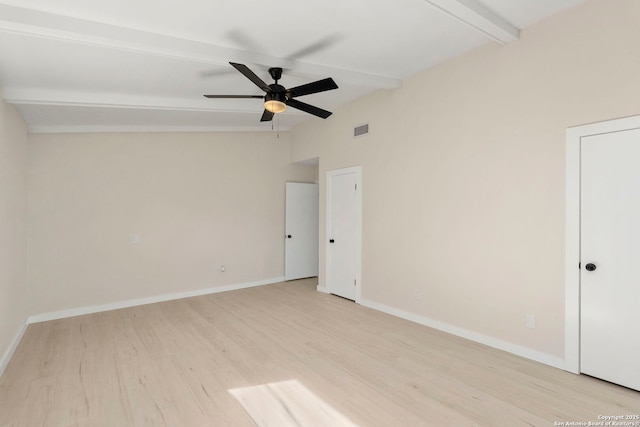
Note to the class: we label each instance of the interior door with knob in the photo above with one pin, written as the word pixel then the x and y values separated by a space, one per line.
pixel 343 232
pixel 610 255
pixel 301 228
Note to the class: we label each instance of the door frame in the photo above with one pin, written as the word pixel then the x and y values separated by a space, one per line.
pixel 574 136
pixel 330 174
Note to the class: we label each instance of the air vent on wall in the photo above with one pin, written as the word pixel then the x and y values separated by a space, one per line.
pixel 361 130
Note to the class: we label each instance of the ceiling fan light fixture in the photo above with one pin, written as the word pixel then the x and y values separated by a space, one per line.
pixel 275 106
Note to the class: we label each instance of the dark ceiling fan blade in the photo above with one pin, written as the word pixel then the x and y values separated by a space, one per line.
pixel 315 87
pixel 267 116
pixel 234 96
pixel 248 43
pixel 244 41
pixel 251 76
pixel 215 73
pixel 308 108
pixel 316 46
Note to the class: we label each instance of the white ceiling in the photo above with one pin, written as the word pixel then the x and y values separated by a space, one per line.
pixel 133 65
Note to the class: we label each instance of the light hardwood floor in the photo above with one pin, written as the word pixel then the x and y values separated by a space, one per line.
pixel 192 362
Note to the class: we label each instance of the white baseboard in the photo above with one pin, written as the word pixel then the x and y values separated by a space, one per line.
pixel 142 301
pixel 6 357
pixel 322 289
pixel 518 350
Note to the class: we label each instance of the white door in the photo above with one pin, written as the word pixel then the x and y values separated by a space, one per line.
pixel 343 232
pixel 610 257
pixel 301 228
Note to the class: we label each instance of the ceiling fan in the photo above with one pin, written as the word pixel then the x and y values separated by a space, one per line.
pixel 277 97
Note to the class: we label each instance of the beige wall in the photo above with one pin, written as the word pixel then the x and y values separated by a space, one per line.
pixel 198 201
pixel 13 208
pixel 463 172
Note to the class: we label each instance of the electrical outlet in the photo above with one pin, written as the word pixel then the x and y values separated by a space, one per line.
pixel 135 239
pixel 417 294
pixel 531 321
pixel 222 269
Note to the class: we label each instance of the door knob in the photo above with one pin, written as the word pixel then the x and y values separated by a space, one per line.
pixel 288 236
pixel 590 267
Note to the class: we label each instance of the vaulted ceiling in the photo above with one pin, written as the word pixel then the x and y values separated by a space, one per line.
pixel 133 65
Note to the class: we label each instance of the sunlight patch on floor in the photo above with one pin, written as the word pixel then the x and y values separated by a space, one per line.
pixel 287 403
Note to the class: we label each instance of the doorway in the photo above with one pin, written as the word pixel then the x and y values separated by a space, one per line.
pixel 601 326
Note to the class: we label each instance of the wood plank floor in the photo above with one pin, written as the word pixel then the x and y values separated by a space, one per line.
pixel 182 363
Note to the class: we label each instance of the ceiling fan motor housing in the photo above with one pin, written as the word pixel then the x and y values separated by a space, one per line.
pixel 277 93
